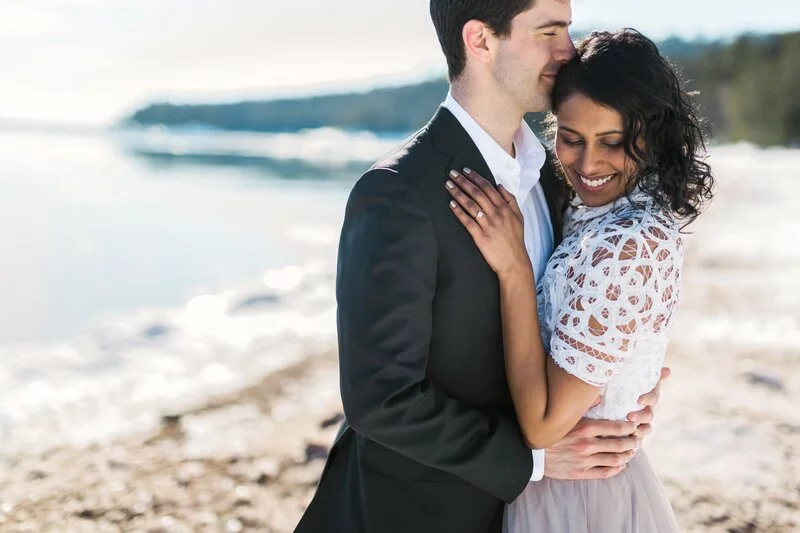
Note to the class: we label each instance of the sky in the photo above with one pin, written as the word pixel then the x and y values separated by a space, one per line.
pixel 94 61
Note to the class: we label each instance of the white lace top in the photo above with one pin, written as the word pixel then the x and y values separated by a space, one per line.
pixel 608 297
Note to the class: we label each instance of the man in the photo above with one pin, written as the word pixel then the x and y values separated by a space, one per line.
pixel 431 442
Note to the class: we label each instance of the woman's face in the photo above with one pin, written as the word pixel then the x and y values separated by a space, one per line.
pixel 590 150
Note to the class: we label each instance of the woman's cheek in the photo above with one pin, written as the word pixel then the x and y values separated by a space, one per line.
pixel 565 153
pixel 560 150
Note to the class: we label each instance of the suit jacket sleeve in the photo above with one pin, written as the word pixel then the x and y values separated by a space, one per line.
pixel 386 282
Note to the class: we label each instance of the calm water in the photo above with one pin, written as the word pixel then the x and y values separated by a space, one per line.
pixel 146 270
pixel 92 226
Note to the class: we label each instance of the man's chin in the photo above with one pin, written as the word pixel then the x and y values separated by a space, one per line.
pixel 541 103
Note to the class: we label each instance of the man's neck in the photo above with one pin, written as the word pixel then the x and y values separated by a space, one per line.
pixel 497 117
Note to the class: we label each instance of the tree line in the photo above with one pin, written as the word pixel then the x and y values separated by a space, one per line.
pixel 748 90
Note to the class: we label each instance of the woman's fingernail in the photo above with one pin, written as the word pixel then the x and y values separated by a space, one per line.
pixel 453 173
pixel 449 184
pixel 467 171
pixel 453 205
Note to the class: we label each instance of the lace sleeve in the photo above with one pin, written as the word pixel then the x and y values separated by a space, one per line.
pixel 620 284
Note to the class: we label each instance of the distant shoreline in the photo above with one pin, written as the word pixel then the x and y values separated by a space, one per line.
pixel 739 101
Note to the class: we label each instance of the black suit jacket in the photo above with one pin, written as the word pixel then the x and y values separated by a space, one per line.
pixel 430 442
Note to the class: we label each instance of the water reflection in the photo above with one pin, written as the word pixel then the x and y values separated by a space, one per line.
pixel 109 224
pixel 257 166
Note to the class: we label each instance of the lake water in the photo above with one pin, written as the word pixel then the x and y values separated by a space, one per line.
pixel 140 267
pixel 99 225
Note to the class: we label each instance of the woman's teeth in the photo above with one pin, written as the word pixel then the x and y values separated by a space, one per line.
pixel 595 183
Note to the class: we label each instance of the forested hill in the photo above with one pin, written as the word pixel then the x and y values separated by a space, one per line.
pixel 748 89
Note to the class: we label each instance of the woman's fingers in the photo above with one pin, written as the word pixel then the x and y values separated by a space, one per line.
pixel 484 194
pixel 507 196
pixel 652 397
pixel 510 200
pixel 481 183
pixel 479 199
pixel 465 202
pixel 473 191
pixel 472 227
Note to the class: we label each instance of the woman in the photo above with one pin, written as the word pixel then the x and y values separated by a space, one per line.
pixel 630 147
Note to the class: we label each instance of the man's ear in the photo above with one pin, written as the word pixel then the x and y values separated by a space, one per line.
pixel 476 36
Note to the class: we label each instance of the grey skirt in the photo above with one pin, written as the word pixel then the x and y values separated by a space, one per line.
pixel 631 502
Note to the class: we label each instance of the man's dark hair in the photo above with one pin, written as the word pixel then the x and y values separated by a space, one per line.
pixel 450 16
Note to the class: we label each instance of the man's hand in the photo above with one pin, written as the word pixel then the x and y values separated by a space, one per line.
pixel 600 449
pixel 594 449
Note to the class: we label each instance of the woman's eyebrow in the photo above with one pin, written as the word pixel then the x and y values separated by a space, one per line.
pixel 610 132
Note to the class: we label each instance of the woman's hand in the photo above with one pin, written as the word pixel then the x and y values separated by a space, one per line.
pixel 493 219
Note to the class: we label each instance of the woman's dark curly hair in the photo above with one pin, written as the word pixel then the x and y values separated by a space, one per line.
pixel 625 72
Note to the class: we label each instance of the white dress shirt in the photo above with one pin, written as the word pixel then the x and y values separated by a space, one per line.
pixel 520 176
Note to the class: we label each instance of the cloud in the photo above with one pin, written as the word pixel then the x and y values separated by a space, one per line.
pixel 102 4
pixel 28 20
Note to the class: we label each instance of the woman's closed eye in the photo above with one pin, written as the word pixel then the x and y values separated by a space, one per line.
pixel 577 142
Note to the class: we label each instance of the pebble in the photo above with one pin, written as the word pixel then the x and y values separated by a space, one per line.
pixel 768 379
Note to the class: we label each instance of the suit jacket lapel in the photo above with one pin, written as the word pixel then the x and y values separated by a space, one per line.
pixel 451 139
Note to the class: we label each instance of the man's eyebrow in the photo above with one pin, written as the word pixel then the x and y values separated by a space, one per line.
pixel 553 24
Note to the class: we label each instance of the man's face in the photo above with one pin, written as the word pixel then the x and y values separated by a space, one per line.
pixel 526 62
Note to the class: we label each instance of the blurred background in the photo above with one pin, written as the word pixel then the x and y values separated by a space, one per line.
pixel 172 180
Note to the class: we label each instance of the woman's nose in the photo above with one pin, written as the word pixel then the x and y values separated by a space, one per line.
pixel 591 162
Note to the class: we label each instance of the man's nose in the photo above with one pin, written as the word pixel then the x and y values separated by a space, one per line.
pixel 565 50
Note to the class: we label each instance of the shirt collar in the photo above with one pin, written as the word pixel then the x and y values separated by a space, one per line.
pixel 519 174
